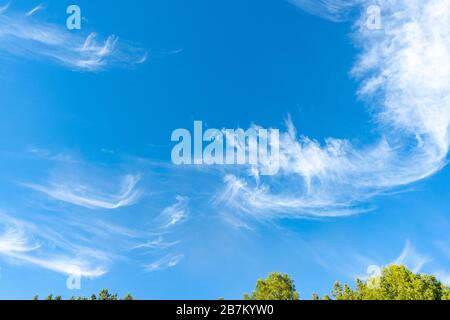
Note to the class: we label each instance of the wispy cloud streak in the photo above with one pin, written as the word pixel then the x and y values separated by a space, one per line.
pixel 404 71
pixel 23 243
pixel 175 214
pixel 334 10
pixel 27 36
pixel 4 8
pixel 411 258
pixel 35 9
pixel 169 218
pixel 159 244
pixel 168 261
pixel 88 197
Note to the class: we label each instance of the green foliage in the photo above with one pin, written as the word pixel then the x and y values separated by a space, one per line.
pixel 394 283
pixel 276 287
pixel 104 294
pixel 128 297
pixel 446 293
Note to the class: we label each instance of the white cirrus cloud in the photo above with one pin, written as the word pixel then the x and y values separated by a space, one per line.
pixel 411 258
pixel 334 10
pixel 89 197
pixel 14 241
pixel 24 243
pixel 168 261
pixel 158 244
pixel 35 9
pixel 170 217
pixel 176 213
pixel 63 265
pixel 404 71
pixel 4 8
pixel 26 36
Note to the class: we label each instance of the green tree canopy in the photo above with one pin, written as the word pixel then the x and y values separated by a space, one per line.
pixel 394 283
pixel 276 287
pixel 104 294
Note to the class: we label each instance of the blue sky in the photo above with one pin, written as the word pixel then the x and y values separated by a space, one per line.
pixel 87 184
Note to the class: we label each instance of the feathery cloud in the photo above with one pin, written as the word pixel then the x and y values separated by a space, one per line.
pixel 23 243
pixel 168 261
pixel 411 258
pixel 159 244
pixel 4 8
pixel 35 9
pixel 334 10
pixel 13 240
pixel 404 71
pixel 175 213
pixel 88 197
pixel 26 36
